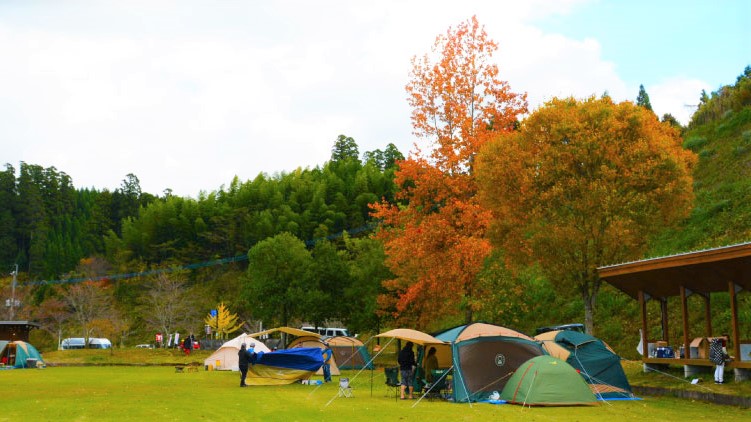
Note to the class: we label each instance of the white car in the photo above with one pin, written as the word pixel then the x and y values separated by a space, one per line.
pixel 328 331
pixel 144 346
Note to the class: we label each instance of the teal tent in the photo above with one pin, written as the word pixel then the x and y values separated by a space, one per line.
pixel 19 354
pixel 547 381
pixel 484 356
pixel 596 362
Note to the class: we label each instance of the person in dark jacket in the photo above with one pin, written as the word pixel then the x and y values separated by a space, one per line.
pixel 407 364
pixel 244 358
pixel 187 345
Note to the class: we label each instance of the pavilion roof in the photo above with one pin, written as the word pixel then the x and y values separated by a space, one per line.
pixel 705 271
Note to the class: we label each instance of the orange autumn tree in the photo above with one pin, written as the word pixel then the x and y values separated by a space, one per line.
pixel 434 236
pixel 584 184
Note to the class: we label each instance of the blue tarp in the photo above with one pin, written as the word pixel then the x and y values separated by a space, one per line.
pixel 303 358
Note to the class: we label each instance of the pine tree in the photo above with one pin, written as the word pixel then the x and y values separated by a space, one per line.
pixel 643 98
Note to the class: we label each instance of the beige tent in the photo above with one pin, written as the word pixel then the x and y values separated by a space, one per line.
pixel 350 352
pixel 226 359
pixel 312 341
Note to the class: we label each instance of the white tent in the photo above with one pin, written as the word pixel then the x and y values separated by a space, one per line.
pixel 226 359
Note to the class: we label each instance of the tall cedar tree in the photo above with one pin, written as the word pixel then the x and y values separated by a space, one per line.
pixel 435 236
pixel 584 184
pixel 642 99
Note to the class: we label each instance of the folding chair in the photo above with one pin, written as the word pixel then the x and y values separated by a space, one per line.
pixel 437 389
pixel 392 381
pixel 345 390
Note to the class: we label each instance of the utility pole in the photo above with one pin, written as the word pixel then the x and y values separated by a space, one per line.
pixel 13 294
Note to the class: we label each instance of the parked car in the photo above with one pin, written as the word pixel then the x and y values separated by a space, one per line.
pixel 327 331
pixel 78 343
pixel 144 346
pixel 565 327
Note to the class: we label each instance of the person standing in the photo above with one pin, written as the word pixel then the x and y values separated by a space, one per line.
pixel 407 364
pixel 717 355
pixel 243 359
pixel 188 345
pixel 431 364
pixel 327 355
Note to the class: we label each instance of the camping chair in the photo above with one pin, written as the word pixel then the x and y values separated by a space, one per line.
pixel 392 381
pixel 345 390
pixel 438 388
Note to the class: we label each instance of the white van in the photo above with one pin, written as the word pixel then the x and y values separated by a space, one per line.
pixel 78 343
pixel 327 331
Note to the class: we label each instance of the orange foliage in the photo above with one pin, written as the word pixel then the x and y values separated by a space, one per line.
pixel 435 238
pixel 584 184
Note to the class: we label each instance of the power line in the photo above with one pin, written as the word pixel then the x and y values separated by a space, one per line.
pixel 221 261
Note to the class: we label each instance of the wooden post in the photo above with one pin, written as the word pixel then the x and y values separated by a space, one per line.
pixel 708 313
pixel 684 315
pixel 644 341
pixel 664 312
pixel 734 321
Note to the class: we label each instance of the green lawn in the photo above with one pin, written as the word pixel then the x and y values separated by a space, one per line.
pixel 158 393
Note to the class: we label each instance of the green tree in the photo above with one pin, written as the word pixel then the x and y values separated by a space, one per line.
pixel 345 148
pixel 367 270
pixel 642 99
pixel 672 121
pixel 8 197
pixel 329 278
pixel 278 274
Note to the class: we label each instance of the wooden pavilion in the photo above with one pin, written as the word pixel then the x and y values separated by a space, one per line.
pixel 725 269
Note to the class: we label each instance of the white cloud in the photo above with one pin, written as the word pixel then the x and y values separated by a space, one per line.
pixel 188 94
pixel 678 96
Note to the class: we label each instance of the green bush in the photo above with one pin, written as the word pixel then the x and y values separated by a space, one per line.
pixel 695 143
pixel 707 153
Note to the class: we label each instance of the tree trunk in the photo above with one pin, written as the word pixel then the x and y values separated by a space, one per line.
pixel 589 320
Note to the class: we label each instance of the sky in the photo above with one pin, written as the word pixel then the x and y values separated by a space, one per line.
pixel 188 94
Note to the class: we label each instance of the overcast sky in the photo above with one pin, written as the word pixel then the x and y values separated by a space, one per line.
pixel 188 94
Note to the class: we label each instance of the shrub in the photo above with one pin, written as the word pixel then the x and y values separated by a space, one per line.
pixel 695 143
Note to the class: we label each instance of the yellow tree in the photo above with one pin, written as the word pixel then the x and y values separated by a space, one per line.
pixel 584 184
pixel 223 323
pixel 434 237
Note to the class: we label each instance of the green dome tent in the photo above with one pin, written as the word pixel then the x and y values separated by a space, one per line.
pixel 19 354
pixel 596 361
pixel 547 381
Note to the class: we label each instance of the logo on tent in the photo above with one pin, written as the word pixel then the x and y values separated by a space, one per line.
pixel 500 359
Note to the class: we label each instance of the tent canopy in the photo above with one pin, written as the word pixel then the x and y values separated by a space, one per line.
pixel 479 329
pixel 289 330
pixel 416 337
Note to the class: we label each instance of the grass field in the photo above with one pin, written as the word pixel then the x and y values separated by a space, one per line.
pixel 85 393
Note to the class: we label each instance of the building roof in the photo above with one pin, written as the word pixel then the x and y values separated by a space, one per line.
pixel 33 324
pixel 705 271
